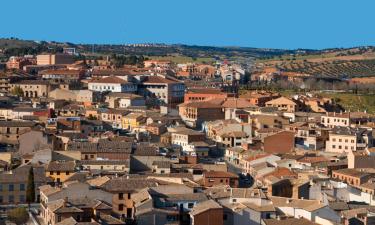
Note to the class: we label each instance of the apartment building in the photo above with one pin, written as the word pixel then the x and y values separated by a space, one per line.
pixel 345 139
pixel 13 184
pixel 165 90
pixel 332 119
pixel 54 59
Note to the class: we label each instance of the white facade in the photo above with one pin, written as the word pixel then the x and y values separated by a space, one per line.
pixel 112 87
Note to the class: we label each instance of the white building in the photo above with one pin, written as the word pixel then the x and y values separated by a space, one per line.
pixel 112 84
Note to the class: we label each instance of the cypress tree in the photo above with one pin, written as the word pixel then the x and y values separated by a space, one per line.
pixel 30 191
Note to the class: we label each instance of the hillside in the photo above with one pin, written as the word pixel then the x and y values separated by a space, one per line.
pixel 338 63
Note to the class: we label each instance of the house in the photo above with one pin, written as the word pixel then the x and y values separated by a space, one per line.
pixel 258 98
pixel 114 117
pixel 287 221
pixel 124 100
pixel 194 114
pixel 123 190
pixel 60 171
pixel 215 178
pixel 13 184
pixel 361 159
pixel 332 119
pixel 283 104
pixel 184 137
pixel 112 84
pixel 10 131
pixel 161 167
pixel 207 213
pixel 311 210
pixel 133 121
pixel 353 177
pixel 108 166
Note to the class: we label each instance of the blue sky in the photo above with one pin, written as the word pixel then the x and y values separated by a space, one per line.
pixel 285 24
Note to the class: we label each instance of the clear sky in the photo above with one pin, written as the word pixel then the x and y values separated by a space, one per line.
pixel 253 23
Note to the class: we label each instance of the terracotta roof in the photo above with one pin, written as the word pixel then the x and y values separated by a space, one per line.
pixel 204 206
pixel 237 103
pixel 282 172
pixel 159 80
pixel 219 174
pixel 61 166
pixel 110 80
pixel 125 185
pixel 289 221
pixel 308 205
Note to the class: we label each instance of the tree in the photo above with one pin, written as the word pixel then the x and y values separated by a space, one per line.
pixel 17 91
pixel 18 216
pixel 30 191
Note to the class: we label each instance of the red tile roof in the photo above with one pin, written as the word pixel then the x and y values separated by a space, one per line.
pixel 111 80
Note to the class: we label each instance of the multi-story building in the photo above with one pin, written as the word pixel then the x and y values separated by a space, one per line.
pixel 112 84
pixel 165 90
pixel 60 171
pixel 33 88
pixel 124 100
pixel 336 119
pixel 62 76
pixel 194 114
pixel 54 59
pixel 283 104
pixel 345 139
pixel 114 117
pixel 13 184
pixel 204 94
pixel 10 131
pixel 123 191
pixel 185 137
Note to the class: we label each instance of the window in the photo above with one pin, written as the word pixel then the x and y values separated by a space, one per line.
pixel 22 187
pixel 11 187
pixel 22 198
pixel 1 199
pixel 57 173
pixel 121 207
pixel 11 199
pixel 234 200
pixel 333 146
pixel 58 218
pixel 121 196
pixel 225 216
pixel 67 173
pixel 190 205
pixel 51 173
pixel 1 187
pixel 129 196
